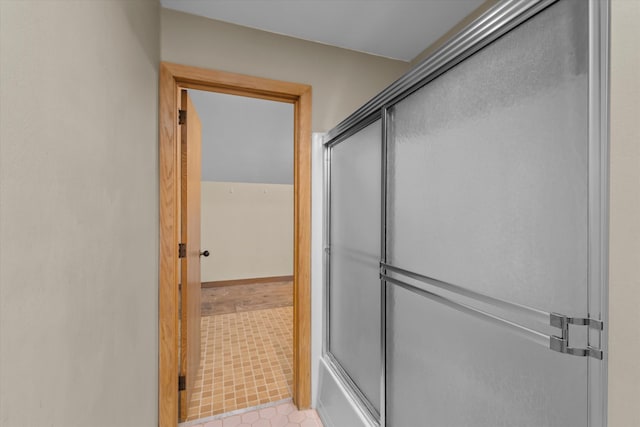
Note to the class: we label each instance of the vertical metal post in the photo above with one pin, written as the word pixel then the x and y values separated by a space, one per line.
pixel 386 128
pixel 598 205
pixel 327 249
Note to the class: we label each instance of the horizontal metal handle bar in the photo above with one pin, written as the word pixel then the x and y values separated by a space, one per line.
pixel 539 315
pixel 534 336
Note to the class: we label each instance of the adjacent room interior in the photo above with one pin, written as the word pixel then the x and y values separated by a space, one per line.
pixel 246 223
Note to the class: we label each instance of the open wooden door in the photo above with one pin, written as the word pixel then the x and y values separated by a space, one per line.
pixel 190 147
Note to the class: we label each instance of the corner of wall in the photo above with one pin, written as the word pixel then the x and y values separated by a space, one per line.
pixel 453 31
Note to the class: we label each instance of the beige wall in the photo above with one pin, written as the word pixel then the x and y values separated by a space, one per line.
pixel 342 80
pixel 248 229
pixel 78 213
pixel 624 275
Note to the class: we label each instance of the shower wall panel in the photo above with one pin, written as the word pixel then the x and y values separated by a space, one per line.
pixel 354 296
pixel 486 182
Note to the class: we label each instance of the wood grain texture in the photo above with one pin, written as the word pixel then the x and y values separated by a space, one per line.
pixel 239 92
pixel 190 154
pixel 302 252
pixel 235 282
pixel 173 77
pixel 168 261
pixel 219 81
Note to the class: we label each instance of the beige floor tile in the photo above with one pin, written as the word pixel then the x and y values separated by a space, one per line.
pixel 246 360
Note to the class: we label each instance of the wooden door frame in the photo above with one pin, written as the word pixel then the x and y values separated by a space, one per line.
pixel 174 77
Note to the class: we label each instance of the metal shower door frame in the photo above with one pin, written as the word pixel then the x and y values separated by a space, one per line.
pixel 496 22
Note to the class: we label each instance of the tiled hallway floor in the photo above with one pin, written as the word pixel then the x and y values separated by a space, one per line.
pixel 283 415
pixel 246 361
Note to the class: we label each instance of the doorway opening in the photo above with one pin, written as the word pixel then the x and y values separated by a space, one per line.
pixel 246 262
pixel 174 374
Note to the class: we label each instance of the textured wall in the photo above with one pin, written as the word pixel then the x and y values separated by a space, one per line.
pixel 342 79
pixel 78 213
pixel 624 255
pixel 248 229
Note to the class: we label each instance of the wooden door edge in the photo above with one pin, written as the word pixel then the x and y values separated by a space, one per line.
pixel 168 260
pixel 302 252
pixel 175 76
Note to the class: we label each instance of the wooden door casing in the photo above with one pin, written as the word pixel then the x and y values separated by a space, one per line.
pixel 190 165
pixel 174 77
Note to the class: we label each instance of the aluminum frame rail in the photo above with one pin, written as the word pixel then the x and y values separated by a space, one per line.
pixel 556 343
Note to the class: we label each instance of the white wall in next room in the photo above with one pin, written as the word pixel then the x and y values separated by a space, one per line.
pixel 248 229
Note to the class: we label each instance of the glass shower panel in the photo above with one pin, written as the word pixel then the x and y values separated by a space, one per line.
pixel 488 168
pixel 488 190
pixel 354 287
pixel 450 369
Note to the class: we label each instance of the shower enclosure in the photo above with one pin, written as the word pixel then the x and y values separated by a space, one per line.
pixel 466 227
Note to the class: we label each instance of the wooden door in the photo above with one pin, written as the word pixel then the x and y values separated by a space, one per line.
pixel 172 77
pixel 190 146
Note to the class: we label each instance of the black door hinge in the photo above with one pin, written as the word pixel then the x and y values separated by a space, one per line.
pixel 182 117
pixel 182 383
pixel 182 250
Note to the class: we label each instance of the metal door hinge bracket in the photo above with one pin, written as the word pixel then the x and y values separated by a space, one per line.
pixel 182 117
pixel 561 343
pixel 182 250
pixel 182 383
pixel 561 321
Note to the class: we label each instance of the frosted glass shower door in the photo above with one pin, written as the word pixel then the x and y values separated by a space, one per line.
pixel 488 191
pixel 466 231
pixel 354 284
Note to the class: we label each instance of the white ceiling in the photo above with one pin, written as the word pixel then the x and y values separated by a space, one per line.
pixel 398 29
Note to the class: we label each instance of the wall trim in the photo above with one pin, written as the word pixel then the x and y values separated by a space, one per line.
pixel 174 77
pixel 249 281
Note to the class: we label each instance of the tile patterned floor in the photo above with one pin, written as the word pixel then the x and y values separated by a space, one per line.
pixel 283 415
pixel 246 361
